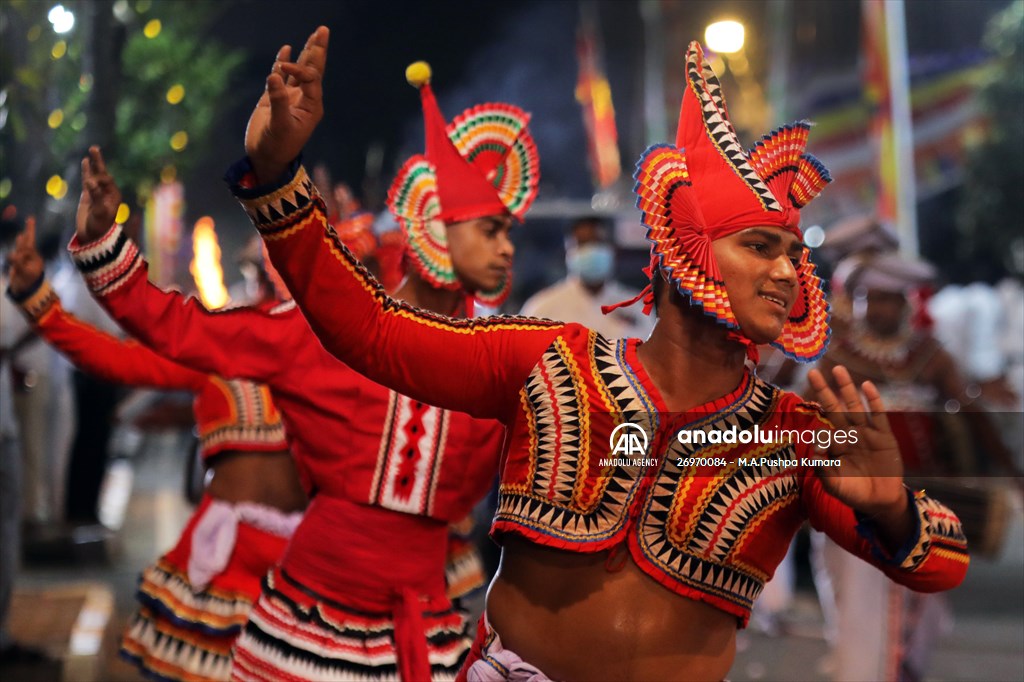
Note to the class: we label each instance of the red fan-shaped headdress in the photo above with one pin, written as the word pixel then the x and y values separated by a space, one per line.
pixel 482 163
pixel 707 187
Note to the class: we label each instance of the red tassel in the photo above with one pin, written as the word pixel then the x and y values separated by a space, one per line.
pixel 648 298
pixel 646 294
pixel 753 353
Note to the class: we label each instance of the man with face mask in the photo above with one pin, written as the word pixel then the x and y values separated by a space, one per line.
pixel 590 262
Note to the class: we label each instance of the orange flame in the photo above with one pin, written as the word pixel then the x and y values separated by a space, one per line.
pixel 205 266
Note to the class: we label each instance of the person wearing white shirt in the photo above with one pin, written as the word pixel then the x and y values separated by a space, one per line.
pixel 29 362
pixel 590 262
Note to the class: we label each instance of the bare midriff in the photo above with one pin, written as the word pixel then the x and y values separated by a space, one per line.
pixel 574 619
pixel 267 478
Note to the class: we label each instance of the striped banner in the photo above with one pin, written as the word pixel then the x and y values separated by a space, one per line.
pixel 887 90
pixel 595 96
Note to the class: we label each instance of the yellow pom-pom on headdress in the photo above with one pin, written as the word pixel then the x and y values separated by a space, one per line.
pixel 418 74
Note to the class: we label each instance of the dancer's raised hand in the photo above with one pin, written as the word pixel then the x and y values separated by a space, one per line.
pixel 97 207
pixel 26 265
pixel 290 108
pixel 870 477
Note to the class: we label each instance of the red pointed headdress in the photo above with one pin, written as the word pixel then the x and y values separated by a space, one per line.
pixel 708 186
pixel 482 163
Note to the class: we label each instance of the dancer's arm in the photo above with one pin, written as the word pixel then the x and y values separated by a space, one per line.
pixel 95 352
pixel 88 348
pixel 470 365
pixel 933 558
pixel 474 366
pixel 248 343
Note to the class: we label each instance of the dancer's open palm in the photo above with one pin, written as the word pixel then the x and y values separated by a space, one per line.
pixel 870 477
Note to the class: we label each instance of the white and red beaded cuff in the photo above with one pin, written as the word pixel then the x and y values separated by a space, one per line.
pixel 107 262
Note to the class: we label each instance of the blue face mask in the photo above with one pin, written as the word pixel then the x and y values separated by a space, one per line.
pixel 592 263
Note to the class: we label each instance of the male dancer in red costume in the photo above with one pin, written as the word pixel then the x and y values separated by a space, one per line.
pixel 642 571
pixel 195 599
pixel 361 589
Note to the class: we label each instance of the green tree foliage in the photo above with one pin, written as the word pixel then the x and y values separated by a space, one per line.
pixel 991 210
pixel 146 122
pixel 108 81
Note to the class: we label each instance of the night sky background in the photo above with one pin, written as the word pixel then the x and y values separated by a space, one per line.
pixel 517 52
pixel 522 52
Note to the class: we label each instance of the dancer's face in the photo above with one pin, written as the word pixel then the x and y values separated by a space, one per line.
pixel 481 251
pixel 759 268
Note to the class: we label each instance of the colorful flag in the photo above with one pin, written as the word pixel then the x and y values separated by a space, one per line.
pixel 163 226
pixel 595 96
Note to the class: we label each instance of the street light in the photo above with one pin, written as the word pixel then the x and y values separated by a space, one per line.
pixel 814 236
pixel 725 40
pixel 61 19
pixel 724 37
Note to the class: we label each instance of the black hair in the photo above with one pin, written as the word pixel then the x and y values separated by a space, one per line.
pixel 601 223
pixel 657 286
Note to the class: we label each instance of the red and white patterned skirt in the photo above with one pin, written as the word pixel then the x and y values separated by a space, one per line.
pixel 360 595
pixel 181 632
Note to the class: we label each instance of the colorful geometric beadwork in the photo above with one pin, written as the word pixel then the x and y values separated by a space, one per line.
pixel 494 138
pixel 806 333
pixel 704 84
pixel 414 202
pixel 675 228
